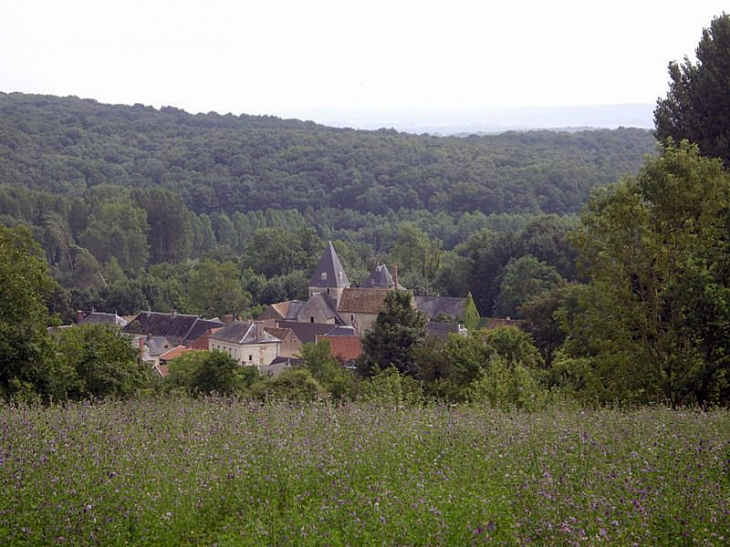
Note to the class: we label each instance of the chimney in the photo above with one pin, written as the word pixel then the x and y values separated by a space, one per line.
pixel 228 319
pixel 173 313
pixel 80 316
pixel 395 275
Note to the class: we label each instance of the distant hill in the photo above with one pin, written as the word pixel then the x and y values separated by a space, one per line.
pixel 250 163
pixel 496 120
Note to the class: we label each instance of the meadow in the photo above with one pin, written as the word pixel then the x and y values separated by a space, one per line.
pixel 228 472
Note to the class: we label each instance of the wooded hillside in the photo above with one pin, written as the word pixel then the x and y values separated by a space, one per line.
pixel 247 163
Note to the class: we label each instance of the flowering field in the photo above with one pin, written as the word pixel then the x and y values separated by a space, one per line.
pixel 217 471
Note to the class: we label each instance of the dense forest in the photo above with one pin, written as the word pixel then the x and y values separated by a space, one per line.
pixel 117 195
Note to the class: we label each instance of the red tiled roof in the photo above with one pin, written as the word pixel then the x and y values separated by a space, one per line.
pixel 344 348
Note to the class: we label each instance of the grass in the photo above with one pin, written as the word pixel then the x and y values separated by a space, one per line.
pixel 226 472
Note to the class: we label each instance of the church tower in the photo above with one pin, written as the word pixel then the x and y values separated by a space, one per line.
pixel 329 276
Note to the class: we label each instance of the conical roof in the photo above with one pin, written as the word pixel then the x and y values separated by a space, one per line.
pixel 329 273
pixel 381 279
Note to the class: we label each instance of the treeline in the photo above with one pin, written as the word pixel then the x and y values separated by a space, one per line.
pixel 123 250
pixel 249 163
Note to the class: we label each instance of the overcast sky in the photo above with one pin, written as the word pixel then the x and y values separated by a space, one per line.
pixel 285 56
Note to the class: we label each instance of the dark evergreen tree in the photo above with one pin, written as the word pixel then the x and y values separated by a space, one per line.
pixel 697 106
pixel 398 328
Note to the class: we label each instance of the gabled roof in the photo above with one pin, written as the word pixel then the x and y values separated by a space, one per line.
pixel 438 306
pixel 320 306
pixel 306 332
pixel 362 300
pixel 171 354
pixel 329 273
pixel 244 332
pixel 96 317
pixel 282 310
pixel 280 333
pixel 381 279
pixel 177 327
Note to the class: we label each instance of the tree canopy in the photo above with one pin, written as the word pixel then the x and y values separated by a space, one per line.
pixel 697 106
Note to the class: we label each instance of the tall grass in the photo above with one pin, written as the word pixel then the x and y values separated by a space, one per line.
pixel 227 472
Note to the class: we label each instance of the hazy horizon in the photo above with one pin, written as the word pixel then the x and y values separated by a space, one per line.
pixel 277 58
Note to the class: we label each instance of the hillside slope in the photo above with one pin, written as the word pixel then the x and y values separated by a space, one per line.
pixel 248 163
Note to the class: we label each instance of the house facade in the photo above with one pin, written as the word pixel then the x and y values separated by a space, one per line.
pixel 247 342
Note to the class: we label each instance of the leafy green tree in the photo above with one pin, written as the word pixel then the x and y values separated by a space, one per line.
pixel 697 106
pixel 543 320
pixel 418 256
pixel 218 373
pixel 514 346
pixel 656 315
pixel 293 384
pixel 104 363
pixel 215 289
pixel 26 364
pixel 524 279
pixel 170 234
pixel 318 359
pixel 118 229
pixel 398 328
pixel 391 388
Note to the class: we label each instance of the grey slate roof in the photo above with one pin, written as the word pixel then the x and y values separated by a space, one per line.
pixel 321 307
pixel 95 317
pixel 177 327
pixel 342 330
pixel 381 278
pixel 306 332
pixel 329 273
pixel 436 306
pixel 244 332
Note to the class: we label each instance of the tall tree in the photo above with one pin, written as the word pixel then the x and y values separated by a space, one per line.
pixel 658 307
pixel 398 328
pixel 215 289
pixel 697 106
pixel 170 230
pixel 26 365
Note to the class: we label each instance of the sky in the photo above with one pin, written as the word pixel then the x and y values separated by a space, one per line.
pixel 283 57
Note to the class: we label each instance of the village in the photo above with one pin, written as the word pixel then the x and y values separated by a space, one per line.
pixel 335 311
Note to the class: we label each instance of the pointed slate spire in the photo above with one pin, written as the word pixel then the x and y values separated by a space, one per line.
pixel 329 273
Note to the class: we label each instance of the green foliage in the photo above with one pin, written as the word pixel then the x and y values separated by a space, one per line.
pixel 100 363
pixel 215 289
pixel 118 229
pixel 293 384
pixel 514 346
pixel 388 387
pixel 209 372
pixel 418 255
pixel 524 279
pixel 318 360
pixel 398 328
pixel 180 471
pixel 471 317
pixel 26 364
pixel 697 106
pixel 508 386
pixel 655 247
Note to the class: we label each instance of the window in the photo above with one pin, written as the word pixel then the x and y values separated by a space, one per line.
pixel 250 357
pixel 311 319
pixel 323 277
